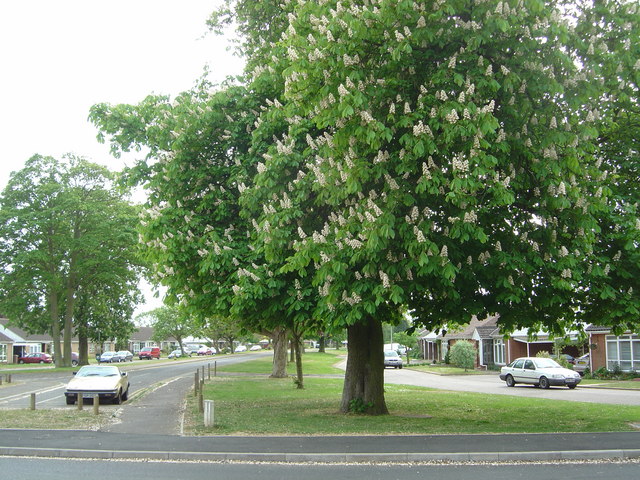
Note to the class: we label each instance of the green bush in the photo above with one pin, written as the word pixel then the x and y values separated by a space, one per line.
pixel 463 354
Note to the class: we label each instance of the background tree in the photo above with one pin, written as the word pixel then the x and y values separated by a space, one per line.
pixel 63 227
pixel 463 355
pixel 170 322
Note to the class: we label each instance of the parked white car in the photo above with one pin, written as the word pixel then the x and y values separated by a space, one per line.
pixel 539 371
pixel 98 382
pixel 392 359
pixel 582 363
pixel 240 348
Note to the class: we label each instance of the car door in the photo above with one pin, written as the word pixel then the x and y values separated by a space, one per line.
pixel 529 372
pixel 517 370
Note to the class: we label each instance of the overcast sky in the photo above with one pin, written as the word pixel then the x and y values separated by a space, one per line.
pixel 59 57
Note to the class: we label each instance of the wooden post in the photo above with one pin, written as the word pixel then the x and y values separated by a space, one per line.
pixel 80 401
pixel 215 368
pixel 0 380
pixel 196 384
pixel 33 401
pixel 96 405
pixel 200 402
pixel 208 413
pixel 8 378
pixel 208 371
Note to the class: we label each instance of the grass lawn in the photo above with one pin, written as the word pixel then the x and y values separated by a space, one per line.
pixel 312 363
pixel 624 384
pixel 264 406
pixel 55 418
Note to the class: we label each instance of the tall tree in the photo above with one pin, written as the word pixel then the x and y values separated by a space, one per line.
pixel 63 228
pixel 450 151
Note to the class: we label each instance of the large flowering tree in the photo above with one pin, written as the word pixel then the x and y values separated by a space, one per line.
pixel 448 157
pixel 450 154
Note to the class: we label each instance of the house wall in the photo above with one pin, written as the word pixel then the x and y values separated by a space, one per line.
pixel 515 350
pixel 598 351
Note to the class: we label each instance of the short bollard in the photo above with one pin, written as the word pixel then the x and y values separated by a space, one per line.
pixel 33 401
pixel 8 378
pixel 0 380
pixel 96 405
pixel 208 413
pixel 80 401
pixel 202 376
pixel 215 368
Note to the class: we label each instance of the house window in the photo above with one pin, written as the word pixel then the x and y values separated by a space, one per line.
pixel 498 351
pixel 3 353
pixel 623 351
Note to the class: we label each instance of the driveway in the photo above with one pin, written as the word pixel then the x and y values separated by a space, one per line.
pixel 490 383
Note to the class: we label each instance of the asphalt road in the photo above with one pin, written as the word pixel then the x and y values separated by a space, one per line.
pixel 144 375
pixel 60 469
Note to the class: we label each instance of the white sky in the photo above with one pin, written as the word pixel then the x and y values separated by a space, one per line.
pixel 59 57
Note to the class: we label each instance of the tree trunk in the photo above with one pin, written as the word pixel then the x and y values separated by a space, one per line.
pixel 363 389
pixel 321 344
pixel 55 329
pixel 83 348
pixel 279 337
pixel 296 343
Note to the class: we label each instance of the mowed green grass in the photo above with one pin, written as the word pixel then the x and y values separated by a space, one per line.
pixel 258 405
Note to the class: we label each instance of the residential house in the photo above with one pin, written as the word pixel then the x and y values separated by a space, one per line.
pixel 612 351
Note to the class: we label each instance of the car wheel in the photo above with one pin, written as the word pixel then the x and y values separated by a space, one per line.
pixel 571 387
pixel 118 399
pixel 510 381
pixel 544 383
pixel 74 363
pixel 41 361
pixel 400 367
pixel 21 361
pixel 125 396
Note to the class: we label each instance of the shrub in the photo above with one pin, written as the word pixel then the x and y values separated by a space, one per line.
pixel 463 354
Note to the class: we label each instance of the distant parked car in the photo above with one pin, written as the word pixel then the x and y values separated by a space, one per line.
pixel 35 358
pixel 539 371
pixel 177 353
pixel 240 348
pixel 566 356
pixel 582 363
pixel 255 348
pixel 207 351
pixel 149 352
pixel 109 357
pixel 125 355
pixel 98 382
pixel 392 359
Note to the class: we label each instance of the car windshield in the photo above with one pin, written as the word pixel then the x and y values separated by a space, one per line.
pixel 547 363
pixel 97 372
pixel 390 353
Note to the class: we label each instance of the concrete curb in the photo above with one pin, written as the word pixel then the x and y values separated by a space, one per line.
pixel 471 457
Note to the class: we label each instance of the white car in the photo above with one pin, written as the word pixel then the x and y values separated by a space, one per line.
pixel 240 348
pixel 539 371
pixel 178 353
pixel 255 348
pixel 103 382
pixel 392 359
pixel 582 363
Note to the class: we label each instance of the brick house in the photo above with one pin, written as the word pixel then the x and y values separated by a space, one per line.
pixel 493 349
pixel 608 350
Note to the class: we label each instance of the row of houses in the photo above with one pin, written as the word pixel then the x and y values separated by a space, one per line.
pixel 495 349
pixel 16 342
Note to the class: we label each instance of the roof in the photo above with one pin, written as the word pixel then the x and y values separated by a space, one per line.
pixel 15 333
pixel 145 334
pixel 489 324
